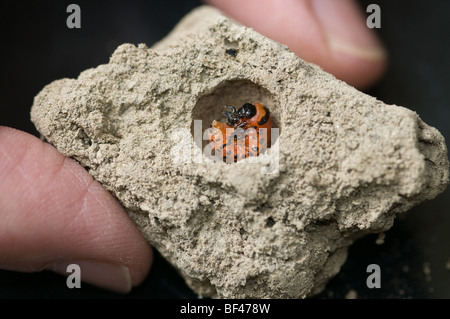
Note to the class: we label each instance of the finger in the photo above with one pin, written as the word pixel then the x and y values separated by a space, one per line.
pixel 332 34
pixel 52 214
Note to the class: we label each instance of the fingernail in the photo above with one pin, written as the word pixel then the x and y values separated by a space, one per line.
pixel 346 31
pixel 113 277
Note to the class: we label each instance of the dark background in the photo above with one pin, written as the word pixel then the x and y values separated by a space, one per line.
pixel 38 48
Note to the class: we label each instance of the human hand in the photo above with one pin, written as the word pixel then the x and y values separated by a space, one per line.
pixel 332 34
pixel 52 213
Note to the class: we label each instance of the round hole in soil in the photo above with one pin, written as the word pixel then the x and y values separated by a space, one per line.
pixel 236 93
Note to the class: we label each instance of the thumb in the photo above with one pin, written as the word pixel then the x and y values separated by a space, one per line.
pixel 52 214
pixel 330 33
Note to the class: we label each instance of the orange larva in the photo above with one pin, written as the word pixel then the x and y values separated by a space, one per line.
pixel 248 132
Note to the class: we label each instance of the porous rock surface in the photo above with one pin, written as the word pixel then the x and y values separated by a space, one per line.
pixel 344 163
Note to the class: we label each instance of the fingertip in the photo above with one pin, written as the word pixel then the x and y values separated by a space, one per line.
pixel 53 212
pixel 356 54
pixel 360 73
pixel 331 34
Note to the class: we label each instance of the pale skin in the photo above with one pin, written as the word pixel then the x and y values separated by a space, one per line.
pixel 53 213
